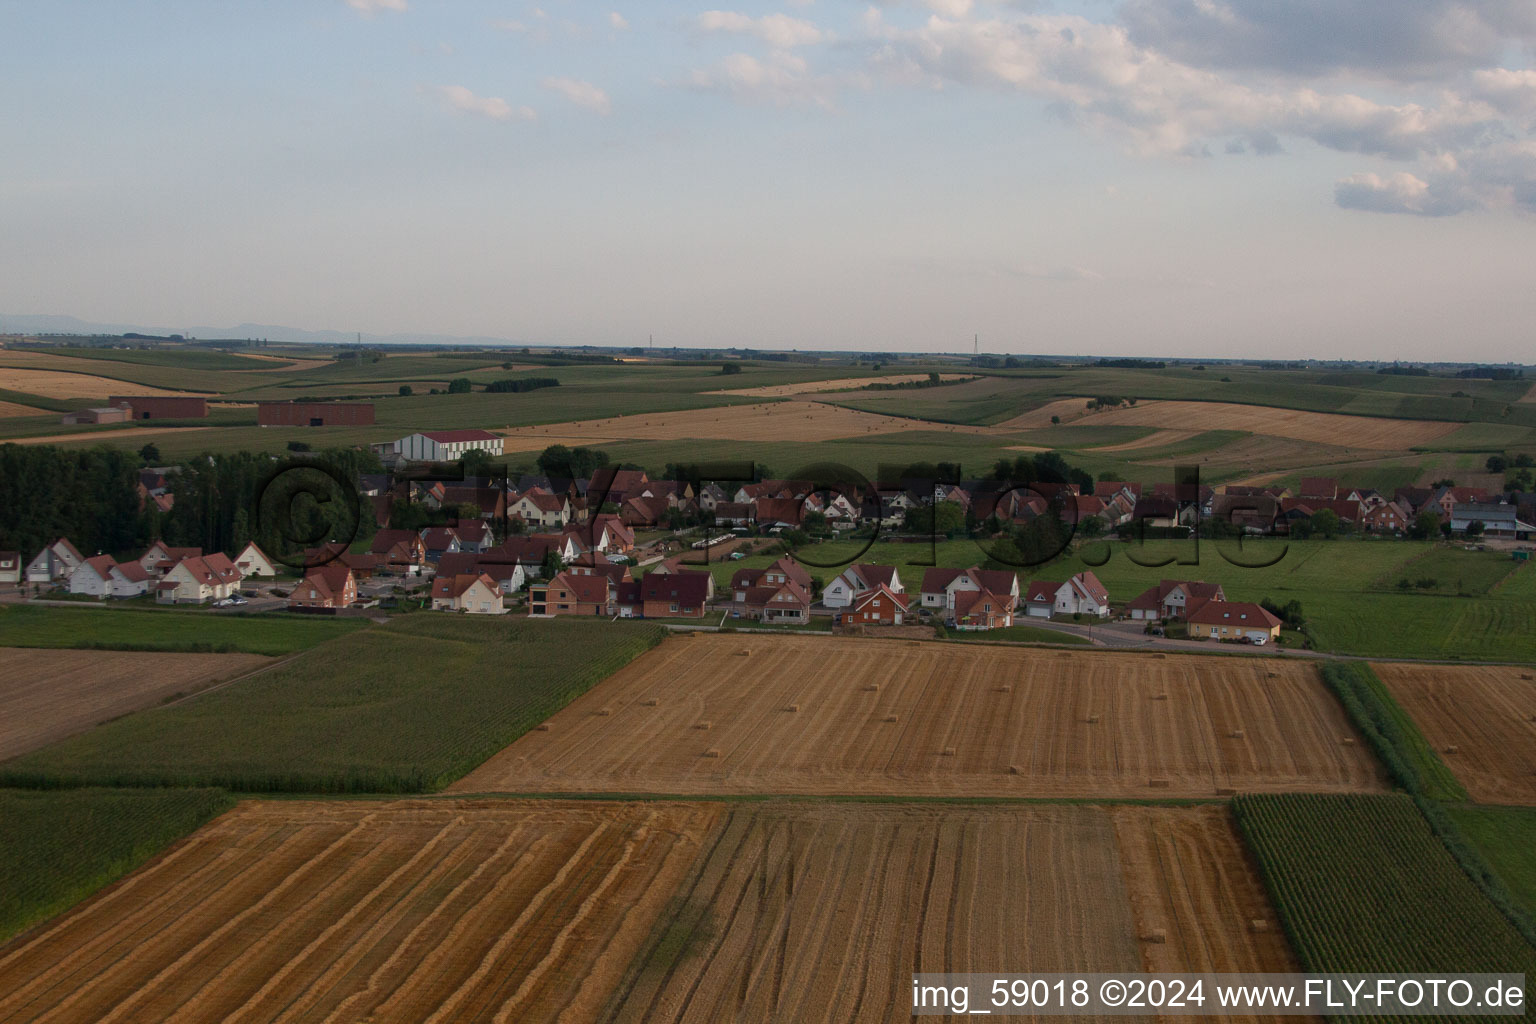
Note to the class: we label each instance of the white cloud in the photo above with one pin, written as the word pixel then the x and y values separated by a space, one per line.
pixel 777 30
pixel 782 79
pixel 617 21
pixel 493 107
pixel 583 94
pixel 370 7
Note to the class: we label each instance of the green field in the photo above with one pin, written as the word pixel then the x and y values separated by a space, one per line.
pixel 58 847
pixel 190 358
pixel 1363 884
pixel 1391 732
pixel 1455 571
pixel 403 708
pixel 166 629
pixel 1506 839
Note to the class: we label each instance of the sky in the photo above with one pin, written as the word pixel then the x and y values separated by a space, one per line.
pixel 1242 178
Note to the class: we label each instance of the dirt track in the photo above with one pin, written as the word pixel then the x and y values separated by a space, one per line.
pixel 939 724
pixel 421 911
pixel 813 913
pixel 46 695
pixel 1482 722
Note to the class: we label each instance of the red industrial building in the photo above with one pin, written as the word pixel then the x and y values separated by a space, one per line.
pixel 314 414
pixel 143 407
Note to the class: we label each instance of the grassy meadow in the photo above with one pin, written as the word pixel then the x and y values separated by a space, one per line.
pixel 166 629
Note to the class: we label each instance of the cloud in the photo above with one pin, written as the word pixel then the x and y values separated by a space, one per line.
pixel 617 21
pixel 493 107
pixel 781 80
pixel 1409 40
pixel 583 94
pixel 777 30
pixel 371 7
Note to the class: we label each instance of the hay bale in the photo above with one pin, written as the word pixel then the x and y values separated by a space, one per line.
pixel 712 752
pixel 1005 688
pixel 1163 657
pixel 1236 734
pixel 871 687
pixel 1155 935
pixel 743 653
pixel 1225 791
pixel 1259 925
pixel 1159 696
pixel 542 727
pixel 949 751
pixel 914 643
pixel 704 725
pixel 792 708
pixel 1452 749
pixel 1014 769
pixel 1092 719
pixel 1526 675
pixel 1348 741
pixel 1158 783
pixel 651 702
pixel 604 712
pixel 1273 675
pixel 889 718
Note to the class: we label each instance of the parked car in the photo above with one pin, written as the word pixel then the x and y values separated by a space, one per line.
pixel 1260 641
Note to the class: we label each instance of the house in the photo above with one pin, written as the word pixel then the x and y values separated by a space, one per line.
pixel 439 541
pixel 941 586
pixel 1318 488
pixel 447 445
pixel 1156 512
pixel 1447 498
pixel 845 589
pixel 10 566
pixel 197 579
pixel 399 551
pixel 570 594
pixel 159 557
pixel 530 551
pixel 1232 620
pixel 252 561
pixel 93 577
pixel 1251 513
pixel 778 513
pixel 675 594
pixel 785 570
pixel 129 579
pixel 614 486
pixel 1498 520
pixel 1389 517
pixel 785 602
pixel 471 593
pixel 710 496
pixel 328 586
pixel 474 534
pixel 643 513
pixel 733 513
pixel 877 606
pixel 610 535
pixel 54 563
pixel 541 508
pixel 491 501
pixel 1083 594
pixel 1170 599
pixel 982 610
pixel 508 574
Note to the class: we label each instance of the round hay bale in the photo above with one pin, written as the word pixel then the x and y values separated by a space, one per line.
pixel 1452 749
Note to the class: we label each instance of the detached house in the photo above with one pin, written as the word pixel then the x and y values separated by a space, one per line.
pixel 399 551
pixel 54 563
pixel 159 557
pixel 93 577
pixel 570 594
pixel 128 579
pixel 252 561
pixel 878 606
pixel 856 580
pixel 10 566
pixel 329 586
pixel 675 594
pixel 439 541
pixel 1170 599
pixel 196 580
pixel 1083 594
pixel 942 588
pixel 471 593
pixel 1233 620
pixel 507 573
pixel 779 593
pixel 538 507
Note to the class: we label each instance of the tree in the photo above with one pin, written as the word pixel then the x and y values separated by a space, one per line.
pixel 459 386
pixel 1447 482
pixel 405 391
pixel 150 454
pixel 476 461
pixel 1475 528
pixel 298 446
pixel 946 518
pixel 551 564
pixel 1326 523
pixel 1425 525
pixel 1055 421
pixel 728 369
pixel 1496 463
pixel 1524 461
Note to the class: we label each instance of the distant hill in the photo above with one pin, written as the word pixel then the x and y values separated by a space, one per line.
pixel 53 324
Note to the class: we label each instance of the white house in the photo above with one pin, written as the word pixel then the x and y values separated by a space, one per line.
pixel 447 445
pixel 93 577
pixel 10 566
pixel 476 594
pixel 55 562
pixel 855 580
pixel 539 507
pixel 195 580
pixel 159 557
pixel 942 586
pixel 128 579
pixel 252 561
pixel 1083 594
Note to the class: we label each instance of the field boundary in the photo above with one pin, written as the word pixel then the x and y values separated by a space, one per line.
pixel 1392 734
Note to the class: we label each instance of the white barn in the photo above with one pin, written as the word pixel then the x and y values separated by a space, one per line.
pixel 447 445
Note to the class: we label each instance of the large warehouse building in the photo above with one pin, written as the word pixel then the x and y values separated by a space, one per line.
pixel 446 445
pixel 314 414
pixel 145 407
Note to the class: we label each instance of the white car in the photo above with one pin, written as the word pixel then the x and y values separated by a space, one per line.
pixel 1260 641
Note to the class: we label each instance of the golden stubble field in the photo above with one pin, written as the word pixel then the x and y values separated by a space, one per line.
pixel 46 695
pixel 737 714
pixel 1317 427
pixel 1481 720
pixel 61 384
pixel 432 912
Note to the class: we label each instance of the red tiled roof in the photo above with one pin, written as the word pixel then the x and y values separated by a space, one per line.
pixel 1232 613
pixel 454 436
pixel 133 572
pixel 683 586
pixel 450 587
pixel 1041 590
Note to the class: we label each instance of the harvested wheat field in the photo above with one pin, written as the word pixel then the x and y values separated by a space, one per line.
pixel 60 384
pixel 11 409
pixel 1067 409
pixel 782 421
pixel 103 436
pixel 713 713
pixel 420 911
pixel 46 695
pixel 811 387
pixel 1156 439
pixel 1480 720
pixel 818 913
pixel 1318 427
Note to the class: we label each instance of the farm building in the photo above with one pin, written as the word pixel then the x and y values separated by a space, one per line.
pixel 473 593
pixel 329 586
pixel 1232 620
pixel 141 407
pixel 859 579
pixel 314 414
pixel 105 414
pixel 447 445
pixel 1497 520
pixel 10 566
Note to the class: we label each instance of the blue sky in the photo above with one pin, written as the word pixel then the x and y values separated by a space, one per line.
pixel 1204 177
